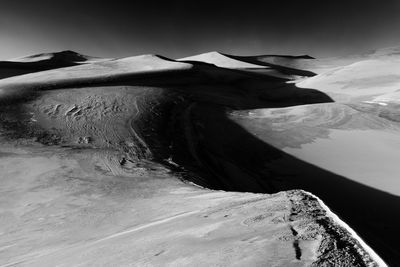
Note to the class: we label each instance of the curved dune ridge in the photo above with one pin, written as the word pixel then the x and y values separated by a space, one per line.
pixel 221 60
pixel 289 65
pixel 98 72
pixel 254 64
pixel 131 65
pixel 148 160
pixel 360 80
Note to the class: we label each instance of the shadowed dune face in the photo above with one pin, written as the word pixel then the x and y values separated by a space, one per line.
pixel 221 126
pixel 250 64
pixel 342 152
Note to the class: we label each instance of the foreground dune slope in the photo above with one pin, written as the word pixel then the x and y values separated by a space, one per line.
pixel 75 209
pixel 99 161
pixel 344 155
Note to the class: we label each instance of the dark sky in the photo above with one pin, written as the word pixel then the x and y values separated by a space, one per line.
pixel 179 28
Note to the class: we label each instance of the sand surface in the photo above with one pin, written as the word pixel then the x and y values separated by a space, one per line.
pixel 148 161
pixel 374 164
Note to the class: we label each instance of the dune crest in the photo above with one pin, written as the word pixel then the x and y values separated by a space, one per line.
pixel 220 60
pixel 44 61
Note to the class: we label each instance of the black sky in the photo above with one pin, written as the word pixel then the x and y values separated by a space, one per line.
pixel 181 28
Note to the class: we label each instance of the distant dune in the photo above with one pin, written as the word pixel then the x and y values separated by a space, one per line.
pixel 221 60
pixel 255 64
pixel 41 62
pixel 62 56
pixel 213 159
pixel 289 65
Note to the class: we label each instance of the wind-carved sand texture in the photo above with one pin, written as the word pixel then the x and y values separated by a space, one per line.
pixel 210 160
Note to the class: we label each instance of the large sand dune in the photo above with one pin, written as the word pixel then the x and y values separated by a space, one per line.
pixel 99 162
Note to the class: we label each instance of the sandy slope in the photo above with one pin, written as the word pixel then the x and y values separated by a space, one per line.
pixel 363 80
pixel 64 207
pixel 93 157
pixel 99 72
pixel 246 66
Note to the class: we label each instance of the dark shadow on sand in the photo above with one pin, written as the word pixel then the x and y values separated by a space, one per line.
pixel 228 157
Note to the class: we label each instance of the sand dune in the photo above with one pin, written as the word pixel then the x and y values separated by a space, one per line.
pixel 62 56
pixel 145 69
pixel 221 60
pixel 41 62
pixel 289 65
pixel 243 64
pixel 98 72
pixel 99 161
